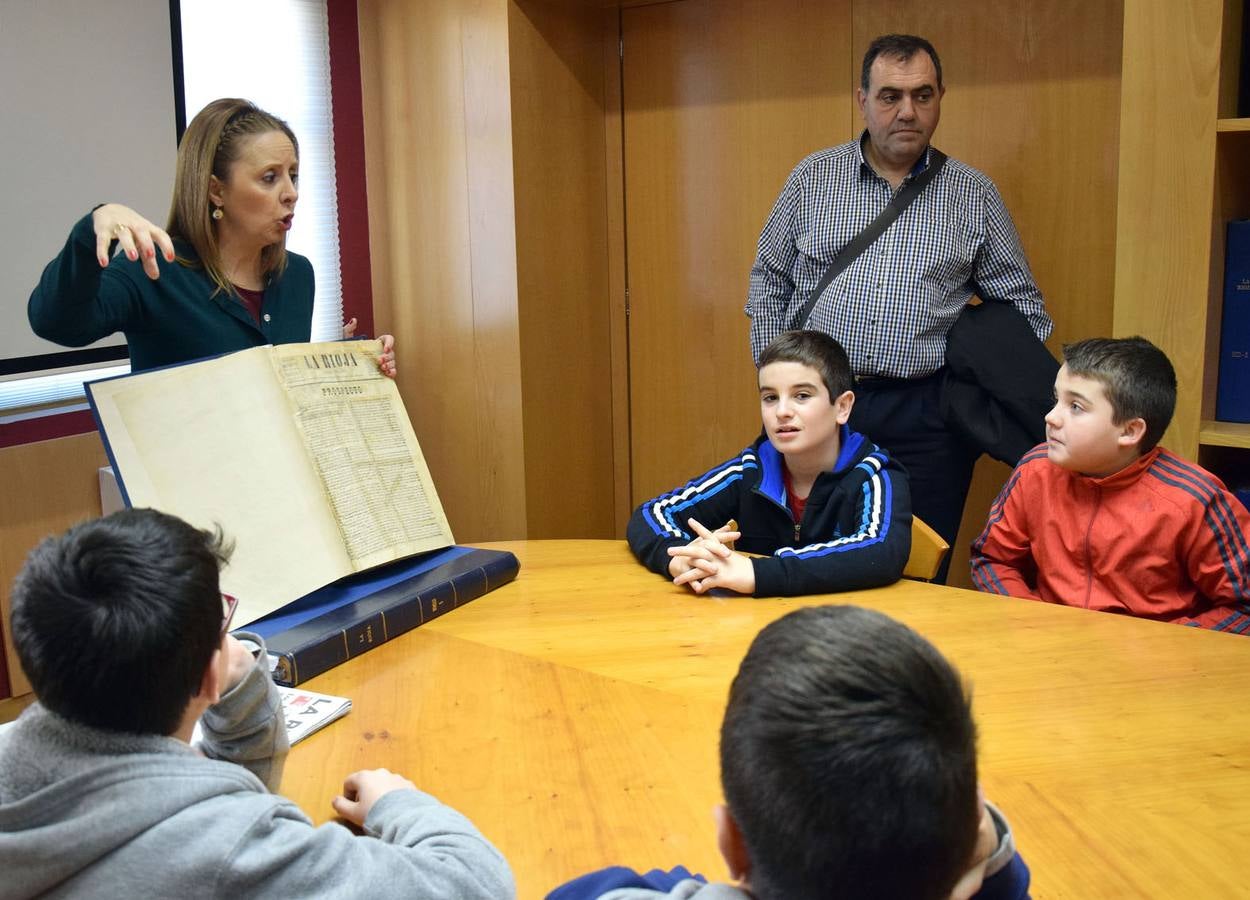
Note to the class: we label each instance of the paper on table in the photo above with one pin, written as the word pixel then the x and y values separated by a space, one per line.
pixel 304 711
pixel 307 712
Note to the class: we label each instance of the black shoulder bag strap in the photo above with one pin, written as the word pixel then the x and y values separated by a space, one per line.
pixel 862 241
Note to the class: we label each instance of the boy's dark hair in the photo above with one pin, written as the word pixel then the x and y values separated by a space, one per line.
pixel 901 47
pixel 1136 376
pixel 815 349
pixel 116 621
pixel 848 759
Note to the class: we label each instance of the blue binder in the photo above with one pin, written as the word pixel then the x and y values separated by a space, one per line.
pixel 1232 398
pixel 352 615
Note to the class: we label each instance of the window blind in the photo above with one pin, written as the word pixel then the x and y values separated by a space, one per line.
pixel 277 54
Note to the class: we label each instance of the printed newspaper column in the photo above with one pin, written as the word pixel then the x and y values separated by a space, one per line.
pixel 361 442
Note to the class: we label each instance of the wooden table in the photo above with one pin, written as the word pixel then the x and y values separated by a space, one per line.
pixel 574 714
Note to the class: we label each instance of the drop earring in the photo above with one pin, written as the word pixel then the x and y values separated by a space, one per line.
pixel 217 214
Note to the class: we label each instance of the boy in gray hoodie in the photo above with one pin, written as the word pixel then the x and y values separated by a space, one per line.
pixel 122 630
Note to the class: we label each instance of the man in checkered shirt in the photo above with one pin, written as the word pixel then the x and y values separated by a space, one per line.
pixel 893 306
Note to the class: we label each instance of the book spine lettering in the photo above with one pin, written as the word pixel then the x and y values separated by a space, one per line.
pixel 316 656
pixel 437 601
pixel 363 635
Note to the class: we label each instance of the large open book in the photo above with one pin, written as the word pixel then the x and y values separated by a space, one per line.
pixel 302 453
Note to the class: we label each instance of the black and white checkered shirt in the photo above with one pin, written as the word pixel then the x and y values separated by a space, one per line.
pixel 892 308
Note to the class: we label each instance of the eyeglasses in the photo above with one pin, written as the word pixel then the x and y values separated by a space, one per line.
pixel 229 603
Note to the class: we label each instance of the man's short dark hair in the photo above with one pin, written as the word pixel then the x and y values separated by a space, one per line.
pixel 1136 376
pixel 818 350
pixel 116 621
pixel 848 759
pixel 901 47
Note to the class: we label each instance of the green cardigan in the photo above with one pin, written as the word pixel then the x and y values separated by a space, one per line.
pixel 175 318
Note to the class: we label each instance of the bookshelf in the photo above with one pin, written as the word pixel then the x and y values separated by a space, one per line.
pixel 1224 434
pixel 1224 447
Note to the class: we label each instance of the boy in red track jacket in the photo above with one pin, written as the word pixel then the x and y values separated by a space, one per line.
pixel 1102 518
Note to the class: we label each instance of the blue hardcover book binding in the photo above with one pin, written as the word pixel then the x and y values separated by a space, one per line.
pixel 346 618
pixel 1232 398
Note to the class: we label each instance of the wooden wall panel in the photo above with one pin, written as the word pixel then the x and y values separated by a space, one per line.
pixel 1230 58
pixel 1040 116
pixel 439 164
pixel 46 487
pixel 721 100
pixel 556 65
pixel 1167 168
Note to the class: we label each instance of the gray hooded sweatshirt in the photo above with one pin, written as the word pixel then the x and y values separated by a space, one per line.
pixel 85 812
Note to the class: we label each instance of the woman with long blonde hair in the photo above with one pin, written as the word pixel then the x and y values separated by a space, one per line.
pixel 218 278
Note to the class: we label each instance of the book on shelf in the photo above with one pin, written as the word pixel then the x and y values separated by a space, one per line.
pixel 344 619
pixel 302 453
pixel 1242 494
pixel 1232 397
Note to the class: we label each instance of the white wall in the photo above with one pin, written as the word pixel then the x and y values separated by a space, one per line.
pixel 86 117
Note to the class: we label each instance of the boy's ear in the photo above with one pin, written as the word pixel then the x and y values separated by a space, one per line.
pixel 1132 432
pixel 210 682
pixel 732 847
pixel 842 405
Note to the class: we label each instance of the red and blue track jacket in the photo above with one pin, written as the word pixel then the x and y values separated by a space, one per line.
pixel 855 532
pixel 1161 539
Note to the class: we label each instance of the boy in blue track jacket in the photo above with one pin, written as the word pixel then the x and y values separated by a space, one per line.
pixel 829 509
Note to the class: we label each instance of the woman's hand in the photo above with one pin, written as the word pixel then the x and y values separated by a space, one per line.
pixel 386 361
pixel 139 238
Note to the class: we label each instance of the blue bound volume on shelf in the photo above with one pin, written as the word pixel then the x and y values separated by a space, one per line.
pixel 1232 400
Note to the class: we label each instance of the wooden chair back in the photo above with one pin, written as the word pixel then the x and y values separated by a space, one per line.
pixel 927 552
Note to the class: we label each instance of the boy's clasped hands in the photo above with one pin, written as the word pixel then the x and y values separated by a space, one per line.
pixel 709 561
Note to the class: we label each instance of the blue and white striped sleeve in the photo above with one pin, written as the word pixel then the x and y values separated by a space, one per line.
pixel 712 498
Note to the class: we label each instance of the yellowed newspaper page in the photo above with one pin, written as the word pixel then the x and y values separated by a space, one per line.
pixel 360 440
pixel 214 443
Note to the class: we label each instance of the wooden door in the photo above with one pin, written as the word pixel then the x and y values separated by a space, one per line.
pixel 720 99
